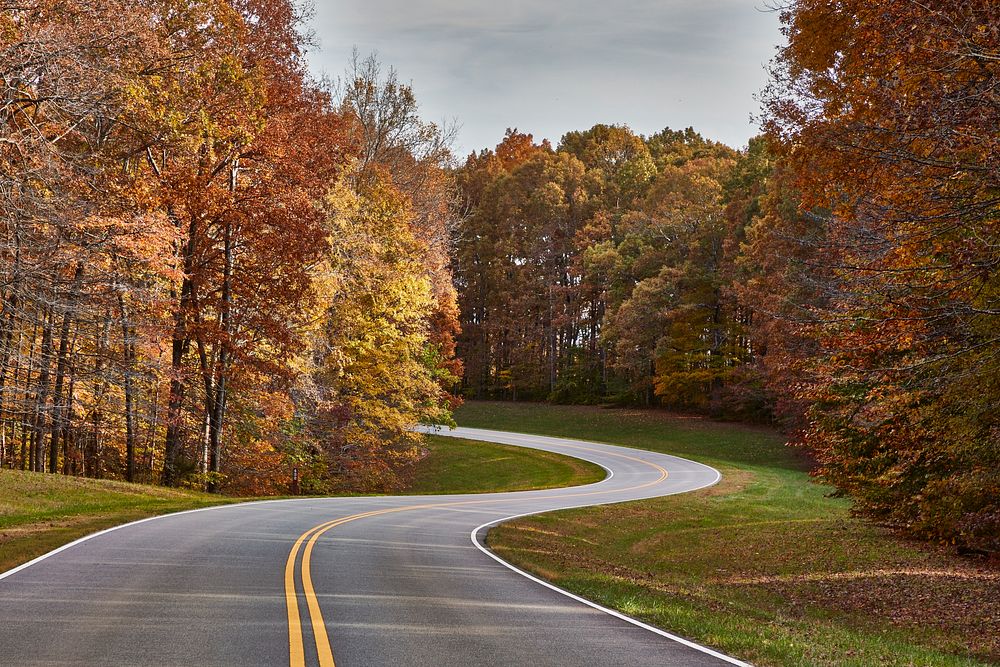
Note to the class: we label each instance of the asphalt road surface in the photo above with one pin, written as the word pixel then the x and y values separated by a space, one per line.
pixel 363 582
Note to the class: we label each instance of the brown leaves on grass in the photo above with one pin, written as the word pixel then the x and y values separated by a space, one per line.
pixel 956 599
pixel 821 567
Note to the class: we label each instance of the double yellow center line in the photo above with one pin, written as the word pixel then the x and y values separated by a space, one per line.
pixel 296 644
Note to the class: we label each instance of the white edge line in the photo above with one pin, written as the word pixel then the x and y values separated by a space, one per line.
pixel 85 538
pixel 611 612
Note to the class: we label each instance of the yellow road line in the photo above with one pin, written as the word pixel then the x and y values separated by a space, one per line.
pixel 296 650
pixel 324 651
pixel 296 653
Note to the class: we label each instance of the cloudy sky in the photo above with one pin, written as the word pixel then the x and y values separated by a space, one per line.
pixel 550 66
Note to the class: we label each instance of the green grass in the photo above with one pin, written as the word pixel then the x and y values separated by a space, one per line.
pixel 454 465
pixel 39 512
pixel 765 566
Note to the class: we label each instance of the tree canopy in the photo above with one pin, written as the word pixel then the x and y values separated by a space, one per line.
pixel 192 227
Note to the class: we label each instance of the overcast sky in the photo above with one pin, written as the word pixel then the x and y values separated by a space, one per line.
pixel 550 66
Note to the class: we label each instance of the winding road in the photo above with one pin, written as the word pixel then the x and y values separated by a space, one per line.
pixel 361 581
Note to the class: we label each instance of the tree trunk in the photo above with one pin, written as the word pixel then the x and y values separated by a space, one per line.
pixel 178 349
pixel 58 410
pixel 219 402
pixel 10 305
pixel 27 417
pixel 100 390
pixel 174 404
pixel 11 419
pixel 69 446
pixel 552 343
pixel 9 308
pixel 128 343
pixel 42 395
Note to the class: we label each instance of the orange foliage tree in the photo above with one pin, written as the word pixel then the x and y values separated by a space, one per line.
pixel 886 114
pixel 166 180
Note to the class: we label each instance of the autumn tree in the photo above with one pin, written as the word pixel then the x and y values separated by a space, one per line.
pixel 64 68
pixel 394 139
pixel 514 265
pixel 885 114
pixel 154 156
pixel 381 355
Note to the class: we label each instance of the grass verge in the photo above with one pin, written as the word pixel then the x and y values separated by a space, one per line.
pixel 765 566
pixel 39 512
pixel 455 465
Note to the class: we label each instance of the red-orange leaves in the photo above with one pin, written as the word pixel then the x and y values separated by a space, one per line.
pixel 887 114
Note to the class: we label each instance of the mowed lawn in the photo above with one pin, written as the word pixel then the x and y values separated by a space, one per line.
pixel 455 465
pixel 40 512
pixel 765 566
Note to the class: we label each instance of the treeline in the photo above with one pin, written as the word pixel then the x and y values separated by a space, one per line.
pixel 598 270
pixel 212 269
pixel 839 275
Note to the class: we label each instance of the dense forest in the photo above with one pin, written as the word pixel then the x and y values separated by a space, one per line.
pixel 838 276
pixel 215 269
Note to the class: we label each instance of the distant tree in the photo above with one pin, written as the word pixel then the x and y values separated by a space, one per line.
pixel 588 273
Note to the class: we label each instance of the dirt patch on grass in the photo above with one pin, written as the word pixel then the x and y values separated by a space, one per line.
pixel 21 531
pixel 733 481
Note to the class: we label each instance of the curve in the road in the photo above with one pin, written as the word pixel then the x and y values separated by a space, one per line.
pixel 395 583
